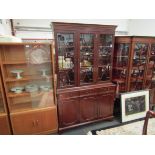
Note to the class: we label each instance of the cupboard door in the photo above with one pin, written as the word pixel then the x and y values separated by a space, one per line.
pixel 4 125
pixel 35 122
pixel 87 51
pixel 105 51
pixel 120 65
pixel 105 105
pixel 66 59
pixel 88 108
pixel 138 66
pixel 68 112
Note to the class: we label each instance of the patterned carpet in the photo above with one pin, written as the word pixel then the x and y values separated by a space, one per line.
pixel 127 129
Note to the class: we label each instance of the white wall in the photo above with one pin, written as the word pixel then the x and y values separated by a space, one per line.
pixel 142 27
pixel 5 28
pixel 45 23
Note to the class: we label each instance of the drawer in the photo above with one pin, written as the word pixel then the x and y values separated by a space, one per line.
pixel 4 125
pixel 68 95
pixel 35 122
pixel 88 92
pixel 104 90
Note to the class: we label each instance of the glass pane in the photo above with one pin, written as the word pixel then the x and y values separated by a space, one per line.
pixel 151 69
pixel 86 58
pixel 105 53
pixel 30 82
pixel 140 54
pixel 138 66
pixel 66 51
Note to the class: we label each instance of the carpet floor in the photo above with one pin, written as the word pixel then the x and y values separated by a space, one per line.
pixel 133 128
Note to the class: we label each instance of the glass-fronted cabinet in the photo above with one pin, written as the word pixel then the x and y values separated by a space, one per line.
pixel 83 54
pixel 28 76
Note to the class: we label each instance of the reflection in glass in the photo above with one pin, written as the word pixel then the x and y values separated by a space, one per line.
pixel 86 58
pixel 65 59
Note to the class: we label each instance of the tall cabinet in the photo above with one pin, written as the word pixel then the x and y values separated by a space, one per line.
pixel 134 64
pixel 84 54
pixel 27 71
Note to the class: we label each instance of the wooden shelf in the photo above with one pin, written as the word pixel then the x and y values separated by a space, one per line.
pixel 27 78
pixel 22 62
pixel 121 56
pixel 13 95
pixel 27 109
pixel 119 80
pixel 13 62
pixel 120 68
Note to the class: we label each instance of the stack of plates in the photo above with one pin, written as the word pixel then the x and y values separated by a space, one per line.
pixel 17 90
pixel 31 88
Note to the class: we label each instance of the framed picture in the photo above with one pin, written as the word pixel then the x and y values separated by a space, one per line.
pixel 134 105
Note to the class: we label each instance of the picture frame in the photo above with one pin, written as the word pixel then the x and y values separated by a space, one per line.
pixel 134 105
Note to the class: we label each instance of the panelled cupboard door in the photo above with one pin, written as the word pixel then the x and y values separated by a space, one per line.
pixel 34 122
pixel 68 112
pixel 88 108
pixel 4 126
pixel 105 105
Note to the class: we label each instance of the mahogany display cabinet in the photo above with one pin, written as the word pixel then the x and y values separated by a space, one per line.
pixel 134 64
pixel 4 117
pixel 84 54
pixel 27 72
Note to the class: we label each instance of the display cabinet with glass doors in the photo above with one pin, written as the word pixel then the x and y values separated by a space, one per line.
pixel 84 54
pixel 139 65
pixel 27 70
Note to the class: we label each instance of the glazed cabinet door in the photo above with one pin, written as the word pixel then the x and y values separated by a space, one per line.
pixel 68 112
pixel 104 58
pixel 138 66
pixel 105 105
pixel 87 55
pixel 88 108
pixel 120 65
pixel 66 59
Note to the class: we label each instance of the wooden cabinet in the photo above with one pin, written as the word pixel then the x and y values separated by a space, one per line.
pixel 84 54
pixel 28 77
pixel 88 108
pixel 105 105
pixel 37 122
pixel 82 107
pixel 4 125
pixel 134 65
pixel 69 112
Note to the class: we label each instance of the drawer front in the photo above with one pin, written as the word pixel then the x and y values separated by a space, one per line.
pixel 106 90
pixel 34 122
pixel 68 95
pixel 4 126
pixel 88 92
